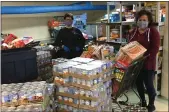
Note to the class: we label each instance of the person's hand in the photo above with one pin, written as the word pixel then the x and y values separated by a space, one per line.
pixel 66 49
pixel 51 47
pixel 56 49
pixel 77 49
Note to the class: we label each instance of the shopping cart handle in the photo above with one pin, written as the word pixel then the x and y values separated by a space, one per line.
pixel 139 60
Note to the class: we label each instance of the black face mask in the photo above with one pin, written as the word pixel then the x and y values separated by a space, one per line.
pixel 68 23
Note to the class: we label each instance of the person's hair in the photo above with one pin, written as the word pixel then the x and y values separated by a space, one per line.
pixel 147 13
pixel 68 15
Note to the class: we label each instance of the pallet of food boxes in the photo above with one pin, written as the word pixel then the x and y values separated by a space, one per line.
pixel 29 96
pixel 83 84
pixel 44 63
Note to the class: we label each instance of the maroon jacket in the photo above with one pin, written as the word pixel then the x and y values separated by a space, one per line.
pixel 151 41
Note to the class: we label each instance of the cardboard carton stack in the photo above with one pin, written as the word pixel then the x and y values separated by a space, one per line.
pixel 29 96
pixel 44 64
pixel 83 84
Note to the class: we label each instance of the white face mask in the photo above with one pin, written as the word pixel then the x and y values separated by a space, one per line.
pixel 142 24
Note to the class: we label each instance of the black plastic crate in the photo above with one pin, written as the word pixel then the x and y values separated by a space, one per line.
pixel 18 66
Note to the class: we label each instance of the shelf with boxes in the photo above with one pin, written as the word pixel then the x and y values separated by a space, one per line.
pixel 117 23
pixel 159 11
pixel 117 35
pixel 124 14
pixel 116 30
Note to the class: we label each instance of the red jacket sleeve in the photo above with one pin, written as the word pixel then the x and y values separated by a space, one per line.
pixel 154 43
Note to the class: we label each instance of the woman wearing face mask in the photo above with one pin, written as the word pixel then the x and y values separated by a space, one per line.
pixel 149 37
pixel 69 39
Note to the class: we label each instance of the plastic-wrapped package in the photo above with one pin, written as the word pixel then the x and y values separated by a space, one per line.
pixel 86 85
pixel 18 43
pixel 103 64
pixel 44 62
pixel 82 60
pixel 27 40
pixel 107 52
pixel 13 96
pixel 59 61
pixel 64 68
pixel 5 98
pixel 9 38
pixel 22 95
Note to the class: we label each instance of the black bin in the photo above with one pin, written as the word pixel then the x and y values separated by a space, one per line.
pixel 18 66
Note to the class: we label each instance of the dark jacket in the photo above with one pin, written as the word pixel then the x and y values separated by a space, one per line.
pixel 151 41
pixel 71 38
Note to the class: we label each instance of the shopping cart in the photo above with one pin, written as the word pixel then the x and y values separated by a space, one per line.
pixel 128 80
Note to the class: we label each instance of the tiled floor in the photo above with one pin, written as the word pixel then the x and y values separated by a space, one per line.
pixel 160 103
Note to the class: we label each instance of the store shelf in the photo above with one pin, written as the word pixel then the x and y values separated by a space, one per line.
pixel 114 23
pixel 128 22
pixel 157 24
pixel 129 3
pixel 99 23
pixel 124 23
pixel 161 36
pixel 161 48
pixel 122 3
pixel 158 93
pixel 161 24
pixel 159 72
pixel 151 9
pixel 117 42
pixel 112 42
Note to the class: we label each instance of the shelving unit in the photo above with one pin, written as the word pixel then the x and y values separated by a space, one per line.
pixel 120 23
pixel 138 6
pixel 157 7
pixel 118 5
pixel 158 23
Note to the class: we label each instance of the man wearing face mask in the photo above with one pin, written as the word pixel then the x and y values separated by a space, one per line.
pixel 149 37
pixel 69 39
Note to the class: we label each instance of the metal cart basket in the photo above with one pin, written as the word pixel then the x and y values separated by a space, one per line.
pixel 128 80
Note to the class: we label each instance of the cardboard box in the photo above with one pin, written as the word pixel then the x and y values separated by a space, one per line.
pixel 134 50
pixel 130 53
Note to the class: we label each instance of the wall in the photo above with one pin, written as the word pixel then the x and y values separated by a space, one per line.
pixel 30 26
pixel 164 86
pixel 35 25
